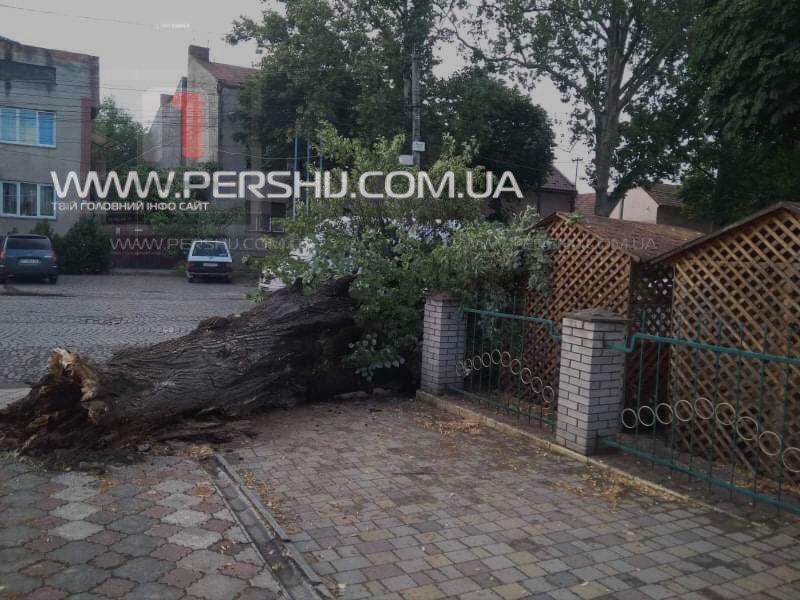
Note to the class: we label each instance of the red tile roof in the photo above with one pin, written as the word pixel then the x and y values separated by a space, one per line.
pixel 228 74
pixel 665 194
pixel 584 203
pixel 558 182
pixel 641 241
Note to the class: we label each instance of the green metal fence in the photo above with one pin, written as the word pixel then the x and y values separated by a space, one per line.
pixel 717 412
pixel 508 365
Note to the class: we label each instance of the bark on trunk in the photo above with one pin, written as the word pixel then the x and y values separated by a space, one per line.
pixel 279 352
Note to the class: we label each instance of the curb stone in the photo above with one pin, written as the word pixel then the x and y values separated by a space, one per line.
pixel 273 542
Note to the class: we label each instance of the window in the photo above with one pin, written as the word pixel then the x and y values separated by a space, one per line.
pixel 47 201
pixel 27 200
pixel 10 199
pixel 217 249
pixel 29 127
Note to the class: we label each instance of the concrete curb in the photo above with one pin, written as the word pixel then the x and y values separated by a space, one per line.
pixel 298 579
pixel 467 413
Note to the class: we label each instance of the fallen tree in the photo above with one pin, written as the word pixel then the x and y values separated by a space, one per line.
pixel 284 350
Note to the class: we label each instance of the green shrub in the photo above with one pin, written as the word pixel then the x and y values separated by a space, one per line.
pixel 85 248
pixel 43 228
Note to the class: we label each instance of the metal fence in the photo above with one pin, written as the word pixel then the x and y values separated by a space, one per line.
pixel 721 413
pixel 498 371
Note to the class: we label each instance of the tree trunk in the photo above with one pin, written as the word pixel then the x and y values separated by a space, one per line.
pixel 282 351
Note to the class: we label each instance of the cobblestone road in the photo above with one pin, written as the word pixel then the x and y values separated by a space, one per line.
pixel 98 315
pixel 158 530
pixel 396 500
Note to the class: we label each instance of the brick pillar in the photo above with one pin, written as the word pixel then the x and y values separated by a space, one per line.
pixel 591 378
pixel 443 342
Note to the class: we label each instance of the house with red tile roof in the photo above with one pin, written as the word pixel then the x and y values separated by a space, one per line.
pixel 658 203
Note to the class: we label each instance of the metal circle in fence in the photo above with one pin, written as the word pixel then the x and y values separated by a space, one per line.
pixel 476 362
pixel 496 356
pixel 753 432
pixel 652 416
pixel 684 415
pixel 486 359
pixel 708 408
pixel 660 411
pixel 519 366
pixel 505 359
pixel 730 412
pixel 625 424
pixel 522 375
pixel 548 396
pixel 468 366
pixel 537 385
pixel 794 467
pixel 460 370
pixel 766 448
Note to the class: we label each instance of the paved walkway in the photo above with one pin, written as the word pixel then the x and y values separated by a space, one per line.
pixel 158 530
pixel 392 499
pixel 97 315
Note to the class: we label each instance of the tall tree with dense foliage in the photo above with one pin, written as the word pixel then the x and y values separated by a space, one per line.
pixel 121 137
pixel 745 73
pixel 345 62
pixel 606 57
pixel 511 132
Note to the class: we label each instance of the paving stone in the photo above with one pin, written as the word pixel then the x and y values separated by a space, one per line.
pixel 75 553
pixel 136 545
pixel 114 588
pixel 186 518
pixel 194 537
pixel 132 524
pixel 77 578
pixel 154 591
pixel 75 511
pixel 43 569
pixel 142 569
pixel 76 530
pixel 12 537
pixel 180 578
pixel 204 560
pixel 214 586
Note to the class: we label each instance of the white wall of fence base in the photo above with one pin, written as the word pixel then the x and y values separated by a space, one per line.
pixel 443 344
pixel 591 379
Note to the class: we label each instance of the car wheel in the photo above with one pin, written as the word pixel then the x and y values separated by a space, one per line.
pixel 229 279
pixel 191 279
pixel 3 280
pixel 53 279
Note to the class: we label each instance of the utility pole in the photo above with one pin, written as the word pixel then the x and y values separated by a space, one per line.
pixel 415 105
pixel 577 162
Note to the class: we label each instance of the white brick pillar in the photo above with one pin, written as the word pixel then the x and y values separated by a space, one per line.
pixel 591 378
pixel 443 342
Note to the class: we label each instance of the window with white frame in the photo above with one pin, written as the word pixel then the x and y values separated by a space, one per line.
pixel 28 127
pixel 27 200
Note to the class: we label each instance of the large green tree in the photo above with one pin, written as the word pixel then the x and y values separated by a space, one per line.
pixel 608 58
pixel 120 137
pixel 744 83
pixel 511 132
pixel 346 62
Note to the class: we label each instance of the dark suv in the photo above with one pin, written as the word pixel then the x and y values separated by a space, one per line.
pixel 27 255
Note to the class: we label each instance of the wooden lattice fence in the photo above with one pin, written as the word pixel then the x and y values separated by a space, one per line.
pixel 742 289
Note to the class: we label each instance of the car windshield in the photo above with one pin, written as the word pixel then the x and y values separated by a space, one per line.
pixel 210 249
pixel 25 243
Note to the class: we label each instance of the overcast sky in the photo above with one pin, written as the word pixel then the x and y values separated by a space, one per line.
pixel 142 46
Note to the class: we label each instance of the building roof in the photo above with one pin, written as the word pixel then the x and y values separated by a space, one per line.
pixel 228 74
pixel 665 194
pixel 778 206
pixel 558 182
pixel 584 203
pixel 641 241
